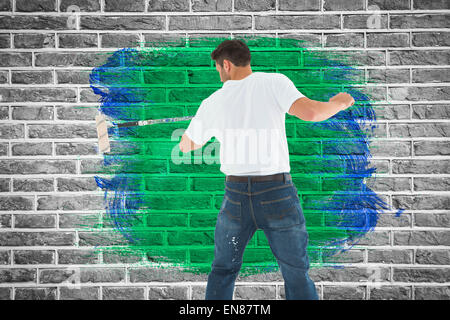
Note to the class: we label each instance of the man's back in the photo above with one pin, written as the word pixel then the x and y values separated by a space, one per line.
pixel 247 116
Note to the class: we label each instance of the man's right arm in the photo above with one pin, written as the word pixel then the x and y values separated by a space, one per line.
pixel 312 110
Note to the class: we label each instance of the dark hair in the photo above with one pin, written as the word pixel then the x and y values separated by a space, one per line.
pixel 234 50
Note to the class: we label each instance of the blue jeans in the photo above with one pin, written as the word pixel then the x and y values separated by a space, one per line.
pixel 274 207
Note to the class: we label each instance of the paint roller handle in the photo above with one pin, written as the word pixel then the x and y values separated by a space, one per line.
pixel 154 121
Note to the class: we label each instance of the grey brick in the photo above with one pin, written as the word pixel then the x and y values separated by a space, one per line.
pixel 5 293
pixel 101 239
pixel 38 95
pixel 390 4
pixel 387 256
pixel 407 21
pixel 35 5
pixel 75 148
pixel 5 5
pixel 361 21
pixel 430 75
pixel 181 5
pixel 164 40
pixel 75 113
pixel 5 40
pixel 390 293
pixel 343 5
pixel 49 238
pixel 74 220
pixel 121 256
pixel 32 113
pixel 432 256
pixel 348 274
pixel 294 5
pixel 434 129
pixel 419 93
pixel 86 293
pixel 358 58
pixel 35 221
pixel 205 5
pixel 431 293
pixel 392 220
pixel 348 256
pixel 72 77
pixel 76 256
pixel 47 293
pixel 72 40
pixel 430 111
pixel 16 203
pixel 32 22
pixel 75 202
pixel 420 166
pixel 387 39
pixel 166 292
pixel 124 6
pixel 299 39
pixel 61 131
pixel 419 57
pixel 390 148
pixel 147 274
pixel 260 292
pixel 61 275
pixel 122 22
pixel 421 274
pixel 216 22
pixel 429 148
pixel 391 112
pixel 344 40
pixel 31 149
pixel 431 184
pixel 34 257
pixel 432 220
pixel 421 202
pixel 17 275
pixel 123 293
pixel 5 221
pixel 343 292
pixel 4 184
pixel 375 238
pixel 76 184
pixel 94 275
pixel 15 59
pixel 431 4
pixel 110 40
pixel 37 166
pixel 198 292
pixel 389 184
pixel 33 185
pixel 430 39
pixel 246 5
pixel 84 5
pixel 34 40
pixel 421 238
pixel 5 257
pixel 4 79
pixel 69 59
pixel 296 22
pixel 12 131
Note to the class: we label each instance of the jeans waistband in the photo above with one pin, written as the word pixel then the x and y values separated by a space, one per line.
pixel 285 176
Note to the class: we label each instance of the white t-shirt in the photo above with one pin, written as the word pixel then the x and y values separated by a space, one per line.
pixel 247 117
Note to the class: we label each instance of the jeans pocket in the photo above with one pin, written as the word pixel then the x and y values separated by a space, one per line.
pixel 283 211
pixel 231 212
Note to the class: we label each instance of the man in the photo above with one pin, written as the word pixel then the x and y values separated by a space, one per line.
pixel 247 116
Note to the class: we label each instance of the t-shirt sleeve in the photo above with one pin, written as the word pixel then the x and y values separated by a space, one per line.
pixel 199 129
pixel 285 91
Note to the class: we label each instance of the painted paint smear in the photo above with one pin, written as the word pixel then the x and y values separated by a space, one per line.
pixel 164 213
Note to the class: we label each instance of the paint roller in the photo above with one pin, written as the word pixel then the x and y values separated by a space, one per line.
pixel 102 129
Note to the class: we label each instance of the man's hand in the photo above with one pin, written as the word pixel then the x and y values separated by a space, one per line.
pixel 187 144
pixel 343 100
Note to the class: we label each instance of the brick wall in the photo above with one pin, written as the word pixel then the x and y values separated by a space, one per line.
pixel 48 142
